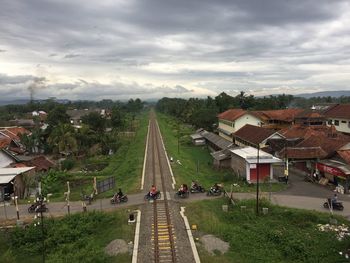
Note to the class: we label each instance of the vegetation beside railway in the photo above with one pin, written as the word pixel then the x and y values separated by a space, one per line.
pixel 79 237
pixel 125 165
pixel 196 161
pixel 283 235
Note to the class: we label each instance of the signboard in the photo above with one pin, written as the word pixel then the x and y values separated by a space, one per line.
pixel 328 169
pixel 105 185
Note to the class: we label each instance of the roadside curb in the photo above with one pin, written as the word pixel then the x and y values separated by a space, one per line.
pixel 190 236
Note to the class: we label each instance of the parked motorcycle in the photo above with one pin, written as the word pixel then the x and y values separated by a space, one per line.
pixel 197 189
pixel 88 198
pixel 335 205
pixel 37 208
pixel 215 191
pixel 116 200
pixel 158 195
pixel 179 194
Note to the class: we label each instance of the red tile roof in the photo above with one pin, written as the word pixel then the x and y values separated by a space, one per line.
pixel 287 115
pixel 41 163
pixel 345 154
pixel 328 145
pixel 14 132
pixel 303 153
pixel 341 111
pixel 231 114
pixel 4 142
pixel 253 134
pixel 302 131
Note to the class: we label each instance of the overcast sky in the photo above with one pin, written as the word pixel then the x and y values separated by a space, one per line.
pixel 121 49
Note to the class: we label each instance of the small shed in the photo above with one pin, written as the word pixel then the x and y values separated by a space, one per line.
pixel 197 139
pixel 245 162
pixel 12 180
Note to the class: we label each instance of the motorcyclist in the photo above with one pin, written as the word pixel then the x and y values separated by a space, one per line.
pixel 194 184
pixel 153 192
pixel 119 195
pixel 334 199
pixel 215 188
pixel 183 189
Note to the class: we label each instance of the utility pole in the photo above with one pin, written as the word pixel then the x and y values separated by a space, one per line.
pixel 178 136
pixel 286 172
pixel 67 197
pixel 257 182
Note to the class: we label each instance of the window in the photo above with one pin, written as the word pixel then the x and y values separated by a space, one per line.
pixel 336 122
pixel 330 122
pixel 343 121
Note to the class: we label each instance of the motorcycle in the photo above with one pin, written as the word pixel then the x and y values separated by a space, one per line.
pixel 335 205
pixel 88 198
pixel 37 208
pixel 197 189
pixel 116 200
pixel 153 197
pixel 214 192
pixel 180 194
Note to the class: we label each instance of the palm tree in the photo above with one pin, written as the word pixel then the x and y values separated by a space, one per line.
pixel 63 139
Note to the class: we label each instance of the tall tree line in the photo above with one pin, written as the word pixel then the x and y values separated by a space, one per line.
pixel 202 112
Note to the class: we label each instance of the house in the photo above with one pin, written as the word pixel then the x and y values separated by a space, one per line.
pixel 278 119
pixel 214 141
pixel 250 135
pixel 232 120
pixel 339 116
pixel 197 139
pixel 12 180
pixel 11 159
pixel 77 115
pixel 10 137
pixel 249 163
pixel 311 117
pixel 312 144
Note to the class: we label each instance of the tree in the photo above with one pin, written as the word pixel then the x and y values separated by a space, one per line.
pixel 95 121
pixel 63 139
pixel 117 120
pixel 56 116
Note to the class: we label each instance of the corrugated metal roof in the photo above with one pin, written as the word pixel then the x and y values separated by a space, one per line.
pixel 216 139
pixel 5 179
pixel 14 171
pixel 196 136
pixel 250 154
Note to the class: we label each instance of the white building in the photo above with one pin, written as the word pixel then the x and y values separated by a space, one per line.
pixel 232 120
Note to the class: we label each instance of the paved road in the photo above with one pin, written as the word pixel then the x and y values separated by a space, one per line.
pixel 299 194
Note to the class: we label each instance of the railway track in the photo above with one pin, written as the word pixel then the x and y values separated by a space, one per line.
pixel 163 232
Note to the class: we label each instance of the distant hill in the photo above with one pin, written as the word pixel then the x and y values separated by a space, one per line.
pixel 336 94
pixel 25 101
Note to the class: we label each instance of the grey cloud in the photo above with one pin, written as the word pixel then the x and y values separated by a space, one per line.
pixel 12 80
pixel 2 50
pixel 110 35
pixel 71 56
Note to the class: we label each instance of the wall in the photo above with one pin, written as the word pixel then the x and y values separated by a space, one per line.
pixel 342 127
pixel 5 160
pixel 238 165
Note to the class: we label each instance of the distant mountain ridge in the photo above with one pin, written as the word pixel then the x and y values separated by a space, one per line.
pixel 336 94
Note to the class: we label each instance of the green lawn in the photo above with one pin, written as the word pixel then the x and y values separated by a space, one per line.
pixel 125 165
pixel 283 235
pixel 76 238
pixel 196 161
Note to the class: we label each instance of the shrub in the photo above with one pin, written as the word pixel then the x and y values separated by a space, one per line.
pixel 67 164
